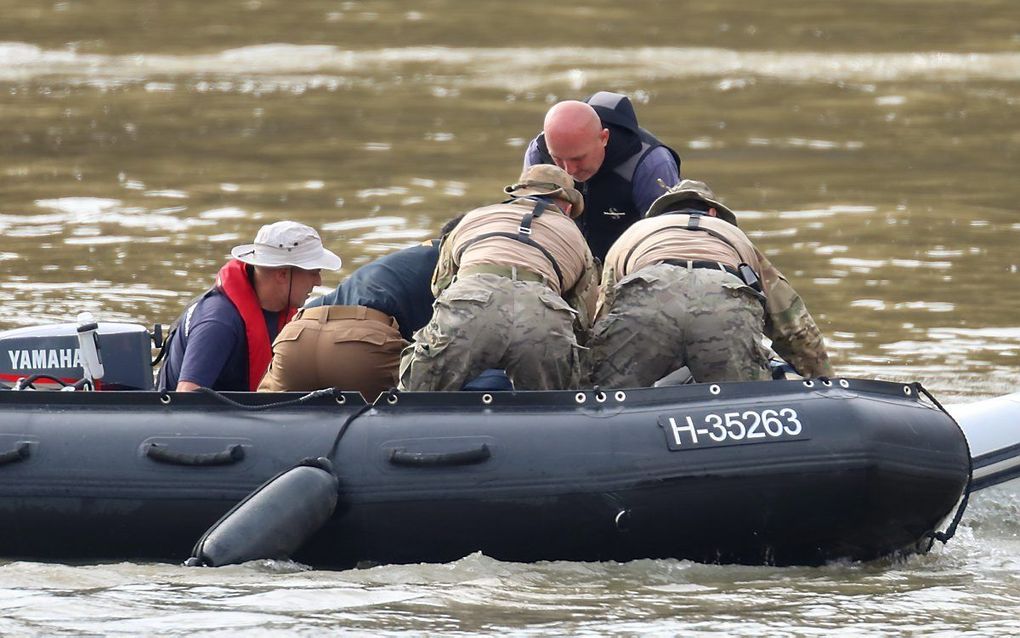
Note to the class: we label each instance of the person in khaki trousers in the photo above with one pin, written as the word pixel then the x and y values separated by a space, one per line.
pixel 351 338
pixel 346 347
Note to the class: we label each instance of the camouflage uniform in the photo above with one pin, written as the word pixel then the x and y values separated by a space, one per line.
pixel 489 321
pixel 667 316
pixel 654 317
pixel 515 286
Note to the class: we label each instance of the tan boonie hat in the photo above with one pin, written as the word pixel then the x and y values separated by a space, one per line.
pixel 548 180
pixel 287 244
pixel 686 190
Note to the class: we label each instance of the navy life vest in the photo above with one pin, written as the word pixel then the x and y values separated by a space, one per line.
pixel 609 207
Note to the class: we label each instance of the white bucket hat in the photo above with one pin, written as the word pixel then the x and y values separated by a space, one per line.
pixel 287 244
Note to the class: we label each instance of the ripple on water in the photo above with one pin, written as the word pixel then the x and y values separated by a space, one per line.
pixel 828 211
pixel 367 193
pixel 503 67
pixel 410 234
pixel 84 211
pixel 364 222
pixel 228 212
pixel 97 240
pixel 168 194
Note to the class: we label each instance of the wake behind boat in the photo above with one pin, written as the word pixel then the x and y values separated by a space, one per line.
pixel 781 472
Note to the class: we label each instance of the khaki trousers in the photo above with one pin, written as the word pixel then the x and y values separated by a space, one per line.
pixel 345 347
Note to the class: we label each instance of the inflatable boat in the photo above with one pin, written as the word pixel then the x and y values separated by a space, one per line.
pixel 774 472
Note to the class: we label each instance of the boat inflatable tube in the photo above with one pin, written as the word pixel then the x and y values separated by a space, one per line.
pixel 766 472
pixel 274 521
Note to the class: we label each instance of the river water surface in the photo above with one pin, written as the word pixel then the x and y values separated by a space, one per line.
pixel 870 148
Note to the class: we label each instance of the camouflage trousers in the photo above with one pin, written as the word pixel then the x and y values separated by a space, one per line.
pixel 487 321
pixel 664 317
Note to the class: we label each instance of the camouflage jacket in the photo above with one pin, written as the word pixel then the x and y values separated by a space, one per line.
pixel 581 275
pixel 794 334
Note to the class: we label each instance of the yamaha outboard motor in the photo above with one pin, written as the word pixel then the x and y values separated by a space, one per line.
pixel 53 354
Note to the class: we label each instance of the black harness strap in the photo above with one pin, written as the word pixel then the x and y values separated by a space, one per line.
pixel 523 235
pixel 693 223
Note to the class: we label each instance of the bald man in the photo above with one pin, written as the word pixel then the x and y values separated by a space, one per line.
pixel 616 163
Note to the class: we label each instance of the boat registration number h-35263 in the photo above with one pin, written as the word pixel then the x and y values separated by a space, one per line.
pixel 718 429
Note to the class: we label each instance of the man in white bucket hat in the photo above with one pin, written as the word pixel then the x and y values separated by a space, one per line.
pixel 224 339
pixel 352 337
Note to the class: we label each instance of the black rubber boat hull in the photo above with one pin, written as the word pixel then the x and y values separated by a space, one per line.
pixel 843 470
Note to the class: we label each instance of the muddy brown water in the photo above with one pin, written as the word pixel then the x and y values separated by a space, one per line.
pixel 870 148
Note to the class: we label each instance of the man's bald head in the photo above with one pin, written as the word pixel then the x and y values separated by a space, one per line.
pixel 575 138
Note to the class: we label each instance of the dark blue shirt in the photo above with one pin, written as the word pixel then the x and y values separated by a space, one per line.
pixel 399 284
pixel 210 347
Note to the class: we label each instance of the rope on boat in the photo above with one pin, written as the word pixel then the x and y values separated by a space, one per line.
pixel 297 502
pixel 27 383
pixel 343 429
pixel 325 392
pixel 950 531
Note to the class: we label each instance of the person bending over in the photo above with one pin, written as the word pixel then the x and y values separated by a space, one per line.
pixel 514 285
pixel 686 287
pixel 352 337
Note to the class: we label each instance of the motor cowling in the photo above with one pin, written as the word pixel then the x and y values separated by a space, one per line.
pixel 53 350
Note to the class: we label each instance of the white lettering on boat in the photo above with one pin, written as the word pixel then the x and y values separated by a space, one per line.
pixel 50 359
pixel 731 428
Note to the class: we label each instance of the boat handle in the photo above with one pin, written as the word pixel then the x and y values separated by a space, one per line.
pixel 162 454
pixel 22 450
pixel 400 456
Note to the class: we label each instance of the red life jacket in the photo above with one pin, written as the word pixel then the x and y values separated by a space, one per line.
pixel 232 281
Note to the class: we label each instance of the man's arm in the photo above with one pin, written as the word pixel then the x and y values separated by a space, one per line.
pixel 607 292
pixel 446 269
pixel 795 336
pixel 210 343
pixel 612 272
pixel 532 156
pixel 582 298
pixel 657 165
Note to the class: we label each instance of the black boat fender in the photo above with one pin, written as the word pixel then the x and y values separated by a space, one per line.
pixel 274 520
pixel 277 518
